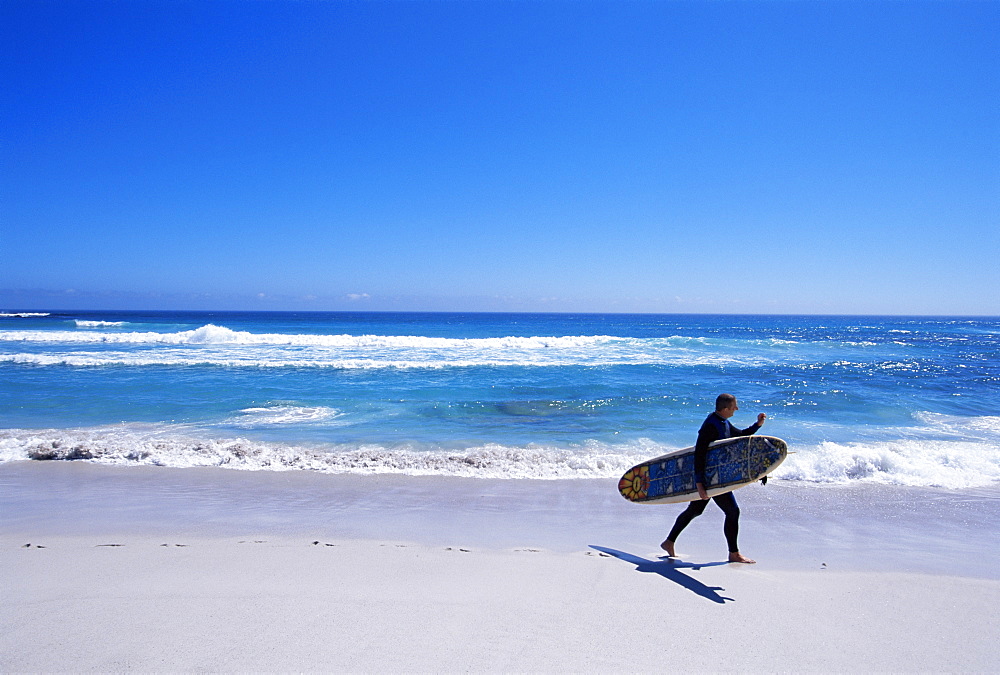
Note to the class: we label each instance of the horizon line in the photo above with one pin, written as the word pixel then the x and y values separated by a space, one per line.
pixel 13 313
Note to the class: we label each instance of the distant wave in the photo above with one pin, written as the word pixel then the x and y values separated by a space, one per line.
pixel 280 361
pixel 82 323
pixel 219 346
pixel 943 463
pixel 212 335
pixel 23 315
pixel 218 335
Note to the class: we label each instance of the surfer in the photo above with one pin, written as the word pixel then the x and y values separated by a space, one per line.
pixel 716 427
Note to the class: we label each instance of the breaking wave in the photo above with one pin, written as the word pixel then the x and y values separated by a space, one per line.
pixel 151 446
pixel 81 323
pixel 219 346
pixel 943 463
pixel 944 451
pixel 211 334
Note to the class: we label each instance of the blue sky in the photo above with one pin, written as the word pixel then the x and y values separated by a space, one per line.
pixel 788 157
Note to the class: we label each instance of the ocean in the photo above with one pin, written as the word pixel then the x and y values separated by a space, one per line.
pixel 901 401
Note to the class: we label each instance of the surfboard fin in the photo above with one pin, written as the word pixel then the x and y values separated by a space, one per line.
pixel 763 481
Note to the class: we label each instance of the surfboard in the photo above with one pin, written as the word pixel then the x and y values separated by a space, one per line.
pixel 731 463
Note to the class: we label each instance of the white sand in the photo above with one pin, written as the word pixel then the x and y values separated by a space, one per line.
pixel 289 605
pixel 248 590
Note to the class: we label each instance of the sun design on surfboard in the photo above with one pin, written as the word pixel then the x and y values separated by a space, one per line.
pixel 635 483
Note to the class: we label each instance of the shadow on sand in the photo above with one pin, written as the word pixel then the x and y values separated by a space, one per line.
pixel 671 569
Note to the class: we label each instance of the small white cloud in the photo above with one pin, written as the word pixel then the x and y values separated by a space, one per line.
pixel 354 297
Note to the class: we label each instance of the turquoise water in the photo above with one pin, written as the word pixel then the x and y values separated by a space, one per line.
pixel 904 400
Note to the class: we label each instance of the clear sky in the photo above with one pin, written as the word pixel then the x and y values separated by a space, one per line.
pixel 749 157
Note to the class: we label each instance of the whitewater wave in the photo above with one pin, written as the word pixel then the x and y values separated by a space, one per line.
pixel 942 451
pixel 280 361
pixel 942 463
pixel 213 345
pixel 282 415
pixel 211 334
pixel 915 463
pixel 82 323
pixel 23 315
pixel 153 447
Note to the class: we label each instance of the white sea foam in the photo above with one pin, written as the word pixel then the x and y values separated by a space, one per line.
pixel 947 464
pixel 277 361
pixel 160 445
pixel 280 415
pixel 220 335
pixel 23 315
pixel 82 323
pixel 668 349
pixel 945 451
pixel 220 346
pixel 952 464
pixel 986 427
pixel 211 334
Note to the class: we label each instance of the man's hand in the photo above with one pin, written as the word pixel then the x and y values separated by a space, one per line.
pixel 760 419
pixel 701 491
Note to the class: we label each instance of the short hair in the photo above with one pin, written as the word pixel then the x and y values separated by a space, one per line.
pixel 724 401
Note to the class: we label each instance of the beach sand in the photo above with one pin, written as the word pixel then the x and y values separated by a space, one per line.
pixel 147 569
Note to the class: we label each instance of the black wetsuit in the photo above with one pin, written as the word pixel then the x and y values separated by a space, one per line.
pixel 713 429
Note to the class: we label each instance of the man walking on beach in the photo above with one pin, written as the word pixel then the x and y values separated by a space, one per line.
pixel 716 427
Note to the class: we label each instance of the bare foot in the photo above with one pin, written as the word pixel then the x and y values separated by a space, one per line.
pixel 668 546
pixel 738 557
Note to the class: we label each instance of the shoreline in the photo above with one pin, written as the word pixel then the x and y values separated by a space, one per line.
pixel 867 528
